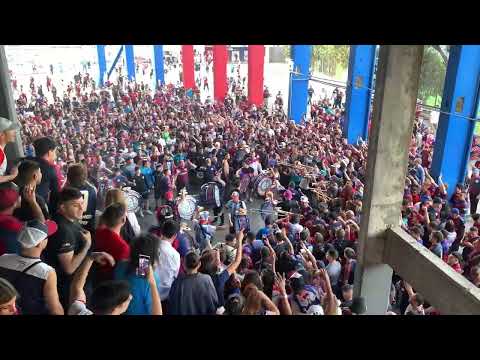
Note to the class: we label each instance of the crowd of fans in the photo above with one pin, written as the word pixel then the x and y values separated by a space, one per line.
pixel 60 257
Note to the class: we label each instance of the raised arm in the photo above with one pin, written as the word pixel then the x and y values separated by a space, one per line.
pixel 238 257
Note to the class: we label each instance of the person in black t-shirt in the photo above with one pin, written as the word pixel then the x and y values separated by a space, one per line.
pixel 77 176
pixel 29 174
pixel 141 187
pixel 67 248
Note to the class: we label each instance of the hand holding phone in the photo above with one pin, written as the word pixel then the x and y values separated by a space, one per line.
pixel 143 265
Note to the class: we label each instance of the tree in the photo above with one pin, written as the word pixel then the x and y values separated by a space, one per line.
pixel 433 73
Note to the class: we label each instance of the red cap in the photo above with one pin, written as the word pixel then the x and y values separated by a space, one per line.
pixel 8 197
pixel 52 227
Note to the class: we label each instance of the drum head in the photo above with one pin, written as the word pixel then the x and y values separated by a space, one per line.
pixel 264 185
pixel 186 208
pixel 133 200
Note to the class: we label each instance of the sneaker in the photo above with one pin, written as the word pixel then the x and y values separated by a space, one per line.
pixel 149 212
pixel 141 214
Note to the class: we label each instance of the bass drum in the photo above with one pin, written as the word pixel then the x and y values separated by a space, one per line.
pixel 262 184
pixel 133 200
pixel 210 195
pixel 186 207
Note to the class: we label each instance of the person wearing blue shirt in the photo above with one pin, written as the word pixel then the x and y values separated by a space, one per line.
pixel 145 297
pixel 419 171
pixel 147 171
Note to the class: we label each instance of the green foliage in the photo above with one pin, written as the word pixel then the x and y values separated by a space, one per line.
pixel 330 59
pixel 432 77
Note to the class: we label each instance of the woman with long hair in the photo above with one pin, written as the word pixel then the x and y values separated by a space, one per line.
pixel 145 297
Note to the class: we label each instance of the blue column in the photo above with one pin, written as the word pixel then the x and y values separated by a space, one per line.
pixel 158 59
pixel 460 98
pixel 130 59
pixel 298 96
pixel 102 64
pixel 358 96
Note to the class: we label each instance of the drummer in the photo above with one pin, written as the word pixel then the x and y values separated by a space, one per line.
pixel 234 205
pixel 204 231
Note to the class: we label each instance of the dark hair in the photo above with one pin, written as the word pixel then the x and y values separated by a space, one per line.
pixel 77 175
pixel 250 236
pixel 437 235
pixel 208 265
pixel 229 238
pixel 234 305
pixel 252 277
pixel 68 194
pixel 43 146
pixel 25 171
pixel 192 260
pixel 295 219
pixel 269 220
pixel 170 228
pixel 7 291
pixel 108 295
pixel 450 225
pixel 349 253
pixel 333 253
pixel 113 215
pixel 475 217
pixel 145 244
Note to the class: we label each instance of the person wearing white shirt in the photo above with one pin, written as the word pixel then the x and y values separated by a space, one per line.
pixel 168 261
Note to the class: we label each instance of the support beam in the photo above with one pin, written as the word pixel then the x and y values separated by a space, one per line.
pixel 14 150
pixel 130 59
pixel 392 125
pixel 454 134
pixel 428 275
pixel 159 65
pixel 358 96
pixel 256 59
pixel 188 67
pixel 115 62
pixel 298 94
pixel 102 64
pixel 220 85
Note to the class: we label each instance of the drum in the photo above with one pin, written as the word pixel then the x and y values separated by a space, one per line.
pixel 262 184
pixel 210 195
pixel 133 199
pixel 186 207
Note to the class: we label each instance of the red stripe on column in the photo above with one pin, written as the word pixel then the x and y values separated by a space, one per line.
pixel 188 67
pixel 256 58
pixel 220 57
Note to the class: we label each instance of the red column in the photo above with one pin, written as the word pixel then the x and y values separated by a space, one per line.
pixel 256 58
pixel 220 58
pixel 188 67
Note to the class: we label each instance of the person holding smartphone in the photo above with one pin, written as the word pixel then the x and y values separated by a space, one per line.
pixel 139 272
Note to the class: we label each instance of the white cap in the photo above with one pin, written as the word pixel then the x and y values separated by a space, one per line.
pixel 315 310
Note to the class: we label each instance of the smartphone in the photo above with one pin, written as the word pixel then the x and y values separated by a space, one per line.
pixel 143 265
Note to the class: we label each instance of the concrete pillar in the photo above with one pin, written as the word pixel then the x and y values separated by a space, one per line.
pixel 396 91
pixel 130 59
pixel 220 84
pixel 298 94
pixel 159 64
pixel 102 64
pixel 460 97
pixel 7 107
pixel 188 67
pixel 358 96
pixel 256 62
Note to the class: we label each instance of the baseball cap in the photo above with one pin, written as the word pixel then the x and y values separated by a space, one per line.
pixel 6 125
pixel 8 197
pixel 455 211
pixel 35 231
pixel 304 199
